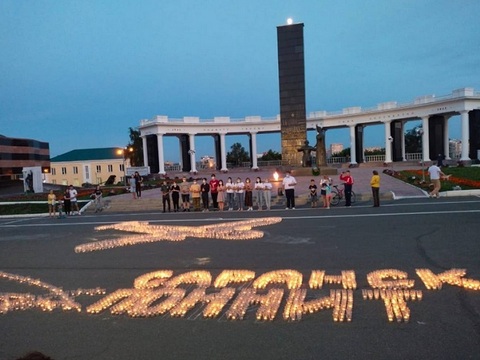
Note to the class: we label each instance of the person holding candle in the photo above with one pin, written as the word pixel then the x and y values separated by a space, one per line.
pixel 195 191
pixel 267 193
pixel 248 194
pixel 230 193
pixel 258 192
pixel 239 193
pixel 221 195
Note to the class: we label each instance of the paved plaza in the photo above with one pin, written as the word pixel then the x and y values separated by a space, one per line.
pixel 39 263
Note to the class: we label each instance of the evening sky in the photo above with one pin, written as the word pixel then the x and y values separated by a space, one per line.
pixel 78 74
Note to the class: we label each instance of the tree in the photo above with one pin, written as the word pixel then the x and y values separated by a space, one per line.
pixel 136 143
pixel 413 140
pixel 237 155
pixel 271 155
pixel 343 153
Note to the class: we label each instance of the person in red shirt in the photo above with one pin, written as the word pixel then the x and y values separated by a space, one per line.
pixel 348 184
pixel 214 191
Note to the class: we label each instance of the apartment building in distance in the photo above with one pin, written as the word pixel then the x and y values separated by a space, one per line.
pixel 88 166
pixel 17 154
pixel 334 149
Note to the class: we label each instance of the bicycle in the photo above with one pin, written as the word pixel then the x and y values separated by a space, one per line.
pixel 338 194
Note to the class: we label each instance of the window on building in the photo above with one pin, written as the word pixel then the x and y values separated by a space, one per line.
pixel 75 169
pixel 110 168
pixel 99 168
pixel 64 171
pixel 122 167
pixel 54 171
pixel 54 181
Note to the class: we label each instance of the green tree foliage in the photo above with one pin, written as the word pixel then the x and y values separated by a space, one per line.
pixel 343 153
pixel 271 155
pixel 136 143
pixel 237 155
pixel 413 140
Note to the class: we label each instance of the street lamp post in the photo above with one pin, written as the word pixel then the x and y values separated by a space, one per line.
pixel 123 152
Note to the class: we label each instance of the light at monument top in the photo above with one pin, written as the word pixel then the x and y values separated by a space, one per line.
pixel 289 21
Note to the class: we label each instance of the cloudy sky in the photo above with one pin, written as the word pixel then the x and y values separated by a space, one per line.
pixel 78 74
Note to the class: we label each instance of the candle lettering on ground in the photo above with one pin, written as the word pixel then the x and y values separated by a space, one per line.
pixel 146 233
pixel 233 292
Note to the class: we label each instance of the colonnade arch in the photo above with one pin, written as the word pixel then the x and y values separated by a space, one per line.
pixel 434 114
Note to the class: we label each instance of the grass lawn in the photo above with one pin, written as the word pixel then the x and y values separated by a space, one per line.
pixel 465 177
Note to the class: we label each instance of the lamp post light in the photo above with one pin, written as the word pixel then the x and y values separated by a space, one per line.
pixel 419 131
pixel 124 152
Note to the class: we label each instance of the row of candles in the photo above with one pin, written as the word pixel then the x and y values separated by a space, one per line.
pixel 147 233
pixel 395 301
pixel 56 298
pixel 157 293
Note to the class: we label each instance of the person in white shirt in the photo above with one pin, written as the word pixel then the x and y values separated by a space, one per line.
pixel 289 183
pixel 73 199
pixel 267 193
pixel 258 192
pixel 239 193
pixel 435 174
pixel 230 193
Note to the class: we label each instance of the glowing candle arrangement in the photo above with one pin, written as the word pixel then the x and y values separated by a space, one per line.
pixel 431 281
pixel 453 277
pixel 376 279
pixel 159 292
pixel 56 298
pixel 395 301
pixel 147 233
pixel 233 276
pixel 318 278
pixel 269 304
pixel 292 278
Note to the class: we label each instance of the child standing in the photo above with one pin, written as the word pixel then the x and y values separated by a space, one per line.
pixel 313 193
pixel 52 199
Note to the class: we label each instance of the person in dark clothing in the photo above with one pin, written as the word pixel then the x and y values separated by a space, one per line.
pixel 165 189
pixel 67 205
pixel 138 184
pixel 204 190
pixel 175 190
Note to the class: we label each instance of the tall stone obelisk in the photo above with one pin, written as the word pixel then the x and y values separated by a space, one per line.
pixel 291 76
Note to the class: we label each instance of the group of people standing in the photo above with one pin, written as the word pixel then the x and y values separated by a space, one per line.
pixel 67 204
pixel 135 182
pixel 215 194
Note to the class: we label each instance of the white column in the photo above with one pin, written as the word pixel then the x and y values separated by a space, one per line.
pixel 465 135
pixel 254 151
pixel 223 153
pixel 446 137
pixel 193 167
pixel 180 151
pixel 388 142
pixel 161 160
pixel 145 151
pixel 425 139
pixel 402 139
pixel 353 155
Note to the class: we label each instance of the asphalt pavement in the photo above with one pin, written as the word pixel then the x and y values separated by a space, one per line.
pixel 38 258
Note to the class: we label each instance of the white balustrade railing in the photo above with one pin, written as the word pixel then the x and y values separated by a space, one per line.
pixel 374 158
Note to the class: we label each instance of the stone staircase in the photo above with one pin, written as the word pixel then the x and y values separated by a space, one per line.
pixel 122 203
